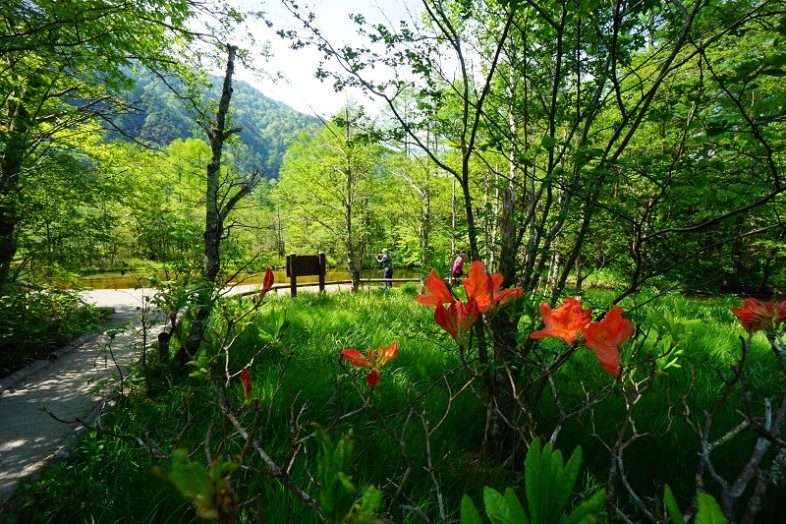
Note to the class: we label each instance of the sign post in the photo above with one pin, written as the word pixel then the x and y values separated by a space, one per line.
pixel 305 265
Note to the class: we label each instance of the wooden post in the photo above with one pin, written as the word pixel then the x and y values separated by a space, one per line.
pixel 322 265
pixel 292 275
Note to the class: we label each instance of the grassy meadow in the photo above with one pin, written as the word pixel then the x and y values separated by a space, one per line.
pixel 418 436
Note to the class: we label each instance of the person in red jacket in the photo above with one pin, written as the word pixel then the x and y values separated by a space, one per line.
pixel 458 266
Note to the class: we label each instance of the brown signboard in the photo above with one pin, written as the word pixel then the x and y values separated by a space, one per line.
pixel 303 265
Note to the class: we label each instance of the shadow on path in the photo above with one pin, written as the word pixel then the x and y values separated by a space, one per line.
pixel 72 385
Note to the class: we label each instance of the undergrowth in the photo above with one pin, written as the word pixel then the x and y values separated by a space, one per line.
pixel 33 323
pixel 299 380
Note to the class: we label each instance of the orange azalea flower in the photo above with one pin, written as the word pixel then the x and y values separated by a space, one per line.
pixel 457 319
pixel 356 358
pixel 438 292
pixel 603 337
pixel 755 315
pixel 502 297
pixel 376 359
pixel 485 289
pixel 383 355
pixel 245 379
pixel 565 322
pixel 479 285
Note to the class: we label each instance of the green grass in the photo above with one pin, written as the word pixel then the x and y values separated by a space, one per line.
pixel 299 380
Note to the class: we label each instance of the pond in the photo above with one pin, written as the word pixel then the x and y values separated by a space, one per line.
pixel 130 279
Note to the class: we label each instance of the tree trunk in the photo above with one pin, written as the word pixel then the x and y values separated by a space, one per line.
pixel 10 168
pixel 214 219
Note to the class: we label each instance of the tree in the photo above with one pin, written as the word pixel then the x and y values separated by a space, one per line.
pixel 553 100
pixel 64 63
pixel 222 193
pixel 327 181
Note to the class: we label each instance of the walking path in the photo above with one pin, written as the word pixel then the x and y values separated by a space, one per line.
pixel 73 383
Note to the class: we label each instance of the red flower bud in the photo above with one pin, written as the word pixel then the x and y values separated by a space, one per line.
pixel 267 283
pixel 245 379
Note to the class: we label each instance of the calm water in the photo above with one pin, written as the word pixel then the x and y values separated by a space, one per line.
pixel 134 279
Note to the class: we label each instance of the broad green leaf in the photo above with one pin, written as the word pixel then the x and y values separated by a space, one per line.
pixel 469 512
pixel 532 480
pixel 774 72
pixel 709 511
pixel 671 506
pixel 548 142
pixel 567 480
pixel 198 483
pixel 496 507
pixel 517 514
pixel 588 511
pixel 189 477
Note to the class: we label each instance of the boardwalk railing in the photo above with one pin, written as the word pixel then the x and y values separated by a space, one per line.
pixel 366 281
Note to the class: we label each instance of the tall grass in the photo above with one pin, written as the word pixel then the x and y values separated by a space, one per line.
pixel 299 380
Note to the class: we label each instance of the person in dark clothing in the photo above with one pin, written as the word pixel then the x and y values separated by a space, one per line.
pixel 387 267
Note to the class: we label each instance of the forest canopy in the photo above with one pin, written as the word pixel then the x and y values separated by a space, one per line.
pixel 600 164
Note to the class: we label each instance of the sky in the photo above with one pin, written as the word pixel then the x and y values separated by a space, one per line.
pixel 300 89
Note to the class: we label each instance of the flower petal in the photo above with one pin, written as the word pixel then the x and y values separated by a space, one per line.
pixel 604 336
pixel 245 379
pixel 446 321
pixel 438 292
pixel 356 358
pixel 565 322
pixel 385 355
pixel 756 315
pixel 478 285
pixel 458 319
pixel 267 283
pixel 373 378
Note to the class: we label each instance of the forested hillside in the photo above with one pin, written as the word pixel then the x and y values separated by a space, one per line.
pixel 268 127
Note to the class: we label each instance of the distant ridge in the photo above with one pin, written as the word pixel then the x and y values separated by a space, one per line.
pixel 268 127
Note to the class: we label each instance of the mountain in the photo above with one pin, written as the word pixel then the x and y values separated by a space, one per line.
pixel 268 127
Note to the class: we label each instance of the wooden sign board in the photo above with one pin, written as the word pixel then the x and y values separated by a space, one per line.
pixel 303 265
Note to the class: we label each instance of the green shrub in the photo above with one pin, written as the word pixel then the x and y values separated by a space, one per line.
pixel 35 323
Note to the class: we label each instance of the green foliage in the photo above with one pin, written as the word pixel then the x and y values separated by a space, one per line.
pixel 206 487
pixel 268 127
pixel 548 486
pixel 270 329
pixel 709 512
pixel 338 496
pixel 328 181
pixel 35 323
pixel 410 289
pixel 116 482
pixel 50 499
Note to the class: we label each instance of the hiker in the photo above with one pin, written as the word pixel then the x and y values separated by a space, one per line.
pixel 387 267
pixel 457 269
